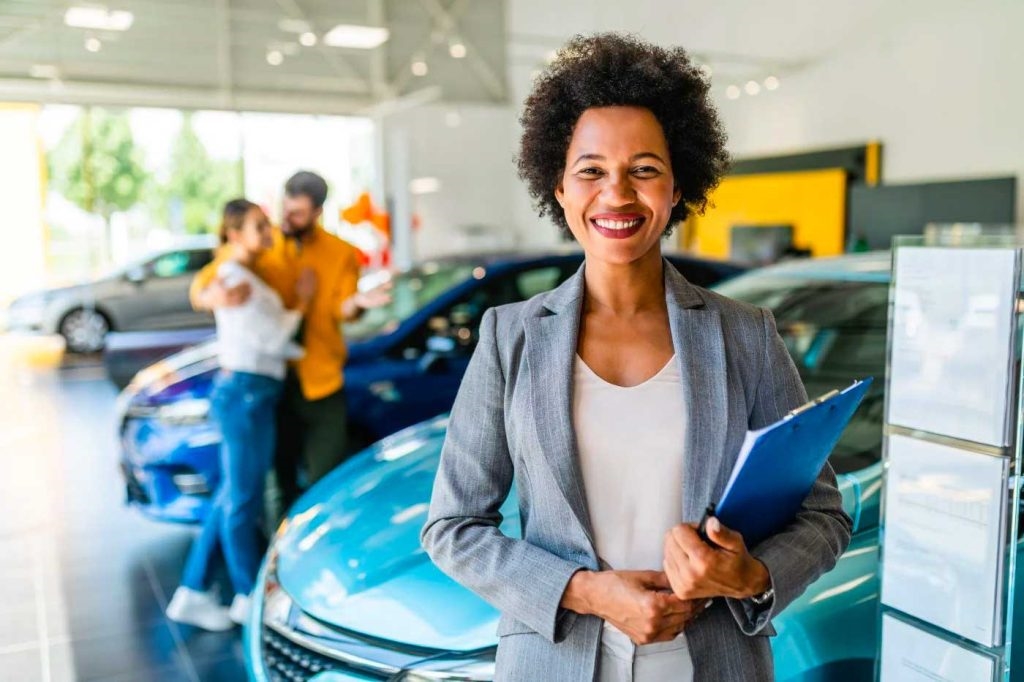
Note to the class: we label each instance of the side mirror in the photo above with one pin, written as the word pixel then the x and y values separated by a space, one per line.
pixel 135 275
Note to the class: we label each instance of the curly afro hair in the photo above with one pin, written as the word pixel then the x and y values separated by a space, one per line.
pixel 612 69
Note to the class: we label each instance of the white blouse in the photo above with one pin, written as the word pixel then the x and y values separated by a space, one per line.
pixel 631 446
pixel 256 336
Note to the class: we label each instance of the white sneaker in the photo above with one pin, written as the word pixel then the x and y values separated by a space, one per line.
pixel 240 606
pixel 200 609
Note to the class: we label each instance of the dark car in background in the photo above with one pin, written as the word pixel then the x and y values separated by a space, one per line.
pixel 405 364
pixel 149 294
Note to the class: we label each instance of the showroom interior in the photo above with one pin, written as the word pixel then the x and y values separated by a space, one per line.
pixel 871 205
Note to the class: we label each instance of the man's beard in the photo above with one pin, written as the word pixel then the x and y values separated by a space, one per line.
pixel 295 232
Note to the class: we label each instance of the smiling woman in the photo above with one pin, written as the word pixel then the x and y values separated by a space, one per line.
pixel 618 403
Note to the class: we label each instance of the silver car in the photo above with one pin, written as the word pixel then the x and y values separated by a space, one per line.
pixel 148 294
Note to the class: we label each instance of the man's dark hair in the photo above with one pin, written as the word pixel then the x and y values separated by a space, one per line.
pixel 612 69
pixel 307 184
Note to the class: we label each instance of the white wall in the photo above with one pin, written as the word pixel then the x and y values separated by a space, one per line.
pixel 941 90
pixel 938 82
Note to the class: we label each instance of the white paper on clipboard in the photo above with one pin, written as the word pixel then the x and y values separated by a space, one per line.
pixel 951 363
pixel 945 511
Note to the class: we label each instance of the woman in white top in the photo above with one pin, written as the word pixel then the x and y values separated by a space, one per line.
pixel 254 342
pixel 617 404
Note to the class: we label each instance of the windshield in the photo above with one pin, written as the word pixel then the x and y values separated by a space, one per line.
pixel 409 293
pixel 835 331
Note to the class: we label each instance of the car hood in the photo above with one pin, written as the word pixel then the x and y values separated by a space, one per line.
pixel 350 555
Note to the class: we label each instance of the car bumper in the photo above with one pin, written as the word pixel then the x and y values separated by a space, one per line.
pixel 168 474
pixel 23 319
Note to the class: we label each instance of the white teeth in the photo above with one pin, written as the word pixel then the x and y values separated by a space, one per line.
pixel 617 224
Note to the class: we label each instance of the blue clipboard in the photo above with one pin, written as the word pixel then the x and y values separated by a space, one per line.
pixel 778 465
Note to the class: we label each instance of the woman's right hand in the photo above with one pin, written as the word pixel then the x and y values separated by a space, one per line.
pixel 305 287
pixel 639 603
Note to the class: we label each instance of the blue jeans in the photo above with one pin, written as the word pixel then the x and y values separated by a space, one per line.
pixel 243 405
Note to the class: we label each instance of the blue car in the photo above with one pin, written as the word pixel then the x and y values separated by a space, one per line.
pixel 405 364
pixel 346 592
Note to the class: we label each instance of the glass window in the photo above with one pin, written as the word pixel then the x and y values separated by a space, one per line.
pixel 410 291
pixel 835 332
pixel 171 265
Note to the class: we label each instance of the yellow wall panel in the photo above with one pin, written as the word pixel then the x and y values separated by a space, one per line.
pixel 813 202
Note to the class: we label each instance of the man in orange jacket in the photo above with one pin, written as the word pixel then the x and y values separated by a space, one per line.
pixel 311 430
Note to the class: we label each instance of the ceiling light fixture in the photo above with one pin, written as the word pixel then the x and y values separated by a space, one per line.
pixel 308 39
pixel 424 185
pixel 356 37
pixel 419 67
pixel 98 18
pixel 733 92
pixel 275 58
pixel 457 49
pixel 771 83
pixel 752 87
pixel 93 44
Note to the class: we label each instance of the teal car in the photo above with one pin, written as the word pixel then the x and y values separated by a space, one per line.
pixel 347 594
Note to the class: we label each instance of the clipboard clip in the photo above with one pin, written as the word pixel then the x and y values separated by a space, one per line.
pixel 812 403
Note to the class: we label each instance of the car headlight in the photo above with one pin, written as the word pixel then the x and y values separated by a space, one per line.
pixel 178 413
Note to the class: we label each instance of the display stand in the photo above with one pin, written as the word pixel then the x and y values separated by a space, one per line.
pixel 950 528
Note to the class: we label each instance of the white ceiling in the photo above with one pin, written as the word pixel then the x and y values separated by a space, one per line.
pixel 213 53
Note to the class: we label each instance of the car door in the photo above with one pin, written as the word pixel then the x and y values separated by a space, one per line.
pixel 160 297
pixel 424 371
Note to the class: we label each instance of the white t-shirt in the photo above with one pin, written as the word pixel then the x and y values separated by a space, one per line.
pixel 631 447
pixel 255 337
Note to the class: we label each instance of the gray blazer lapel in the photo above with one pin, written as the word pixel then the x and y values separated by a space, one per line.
pixel 700 350
pixel 550 350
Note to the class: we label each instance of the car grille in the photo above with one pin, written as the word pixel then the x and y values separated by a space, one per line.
pixel 287 661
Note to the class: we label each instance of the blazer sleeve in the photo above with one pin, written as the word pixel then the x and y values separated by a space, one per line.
pixel 461 534
pixel 811 545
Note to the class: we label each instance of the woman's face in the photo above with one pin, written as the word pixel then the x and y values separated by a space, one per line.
pixel 255 234
pixel 617 189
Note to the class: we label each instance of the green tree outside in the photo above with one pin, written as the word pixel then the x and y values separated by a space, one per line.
pixel 97 166
pixel 197 186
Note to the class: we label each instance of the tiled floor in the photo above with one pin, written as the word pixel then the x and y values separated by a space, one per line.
pixel 83 579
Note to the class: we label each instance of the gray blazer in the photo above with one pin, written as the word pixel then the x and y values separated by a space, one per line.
pixel 512 420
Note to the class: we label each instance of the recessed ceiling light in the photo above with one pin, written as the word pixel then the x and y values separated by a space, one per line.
pixel 275 58
pixel 771 83
pixel 752 87
pixel 93 44
pixel 424 185
pixel 308 39
pixel 419 68
pixel 733 92
pixel 48 71
pixel 98 18
pixel 356 37
pixel 457 50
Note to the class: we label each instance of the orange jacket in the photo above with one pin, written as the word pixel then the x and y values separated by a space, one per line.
pixel 337 273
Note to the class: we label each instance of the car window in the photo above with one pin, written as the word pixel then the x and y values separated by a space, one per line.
pixel 170 264
pixel 199 259
pixel 460 322
pixel 410 291
pixel 835 331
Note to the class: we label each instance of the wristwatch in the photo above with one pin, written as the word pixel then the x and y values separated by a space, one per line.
pixel 763 598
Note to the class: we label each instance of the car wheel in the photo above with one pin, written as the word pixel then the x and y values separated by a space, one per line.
pixel 84 330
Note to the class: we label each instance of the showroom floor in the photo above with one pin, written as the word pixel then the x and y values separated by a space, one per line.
pixel 83 579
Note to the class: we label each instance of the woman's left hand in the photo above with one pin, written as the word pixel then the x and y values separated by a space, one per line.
pixel 696 570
